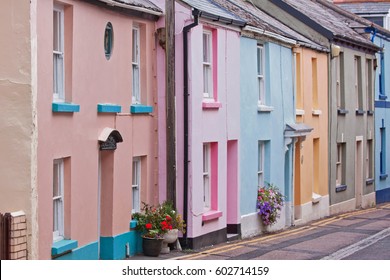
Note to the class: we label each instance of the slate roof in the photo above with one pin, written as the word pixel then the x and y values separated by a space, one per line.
pixel 255 17
pixel 141 4
pixel 208 7
pixel 327 15
pixel 366 8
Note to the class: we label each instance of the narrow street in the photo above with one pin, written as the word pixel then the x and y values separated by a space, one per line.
pixel 360 235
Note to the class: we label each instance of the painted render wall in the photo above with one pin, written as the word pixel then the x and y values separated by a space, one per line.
pixel 92 79
pixel 382 108
pixel 267 126
pixel 215 125
pixel 212 125
pixel 348 129
pixel 16 116
pixel 315 115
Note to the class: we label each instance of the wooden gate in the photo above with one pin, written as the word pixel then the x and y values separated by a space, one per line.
pixel 5 232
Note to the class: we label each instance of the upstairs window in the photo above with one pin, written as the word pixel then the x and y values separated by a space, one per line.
pixel 58 54
pixel 108 40
pixel 208 91
pixel 260 74
pixel 136 95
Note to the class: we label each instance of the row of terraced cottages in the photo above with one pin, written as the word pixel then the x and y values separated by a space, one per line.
pixel 266 91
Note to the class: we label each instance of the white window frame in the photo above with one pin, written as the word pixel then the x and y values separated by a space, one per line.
pixel 136 65
pixel 369 85
pixel 207 38
pixel 369 153
pixel 206 176
pixel 136 185
pixel 260 59
pixel 58 55
pixel 260 163
pixel 339 164
pixel 58 200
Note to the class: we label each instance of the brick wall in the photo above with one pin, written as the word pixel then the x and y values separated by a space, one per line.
pixel 18 248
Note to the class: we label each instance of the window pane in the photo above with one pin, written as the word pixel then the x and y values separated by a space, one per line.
pixel 135 46
pixel 206 47
pixel 136 84
pixel 57 31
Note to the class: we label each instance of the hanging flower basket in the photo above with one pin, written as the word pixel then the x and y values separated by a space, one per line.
pixel 269 203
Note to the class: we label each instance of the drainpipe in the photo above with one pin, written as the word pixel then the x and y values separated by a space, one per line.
pixel 187 28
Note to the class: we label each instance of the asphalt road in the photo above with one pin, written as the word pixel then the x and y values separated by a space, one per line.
pixel 358 235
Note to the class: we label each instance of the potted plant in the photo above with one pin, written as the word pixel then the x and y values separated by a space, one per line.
pixel 269 203
pixel 150 224
pixel 173 222
pixel 157 224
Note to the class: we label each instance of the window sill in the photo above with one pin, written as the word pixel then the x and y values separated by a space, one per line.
pixel 133 224
pixel 63 107
pixel 342 112
pixel 316 112
pixel 140 109
pixel 63 246
pixel 341 188
pixel 360 112
pixel 315 198
pixel 370 181
pixel 299 112
pixel 211 215
pixel 108 108
pixel 211 105
pixel 383 177
pixel 264 108
pixel 382 97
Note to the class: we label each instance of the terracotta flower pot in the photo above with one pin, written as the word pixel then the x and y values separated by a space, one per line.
pixel 170 237
pixel 151 246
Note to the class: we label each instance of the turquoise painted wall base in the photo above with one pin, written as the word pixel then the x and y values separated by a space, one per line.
pixel 87 252
pixel 114 247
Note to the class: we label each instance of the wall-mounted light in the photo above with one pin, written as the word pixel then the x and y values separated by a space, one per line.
pixel 335 50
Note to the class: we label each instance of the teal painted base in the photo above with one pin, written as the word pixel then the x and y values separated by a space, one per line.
pixel 114 247
pixel 383 196
pixel 87 252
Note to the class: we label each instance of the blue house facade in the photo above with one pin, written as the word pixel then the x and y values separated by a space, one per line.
pixel 382 119
pixel 266 155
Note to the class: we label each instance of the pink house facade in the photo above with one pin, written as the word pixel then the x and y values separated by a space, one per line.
pixel 207 161
pixel 94 147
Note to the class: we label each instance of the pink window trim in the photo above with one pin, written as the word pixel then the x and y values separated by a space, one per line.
pixel 211 215
pixel 214 176
pixel 215 63
pixel 211 105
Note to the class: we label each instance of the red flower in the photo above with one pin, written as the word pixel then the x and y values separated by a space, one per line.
pixel 168 218
pixel 148 226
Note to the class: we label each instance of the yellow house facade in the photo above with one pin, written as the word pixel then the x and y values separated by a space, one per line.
pixel 311 195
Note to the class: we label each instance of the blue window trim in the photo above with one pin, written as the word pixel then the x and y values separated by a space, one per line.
pixel 109 108
pixel 140 109
pixel 63 246
pixel 63 107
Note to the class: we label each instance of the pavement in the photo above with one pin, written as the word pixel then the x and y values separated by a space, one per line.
pixel 361 234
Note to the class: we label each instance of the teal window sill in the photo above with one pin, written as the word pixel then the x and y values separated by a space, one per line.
pixel 108 108
pixel 133 224
pixel 63 246
pixel 63 107
pixel 140 109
